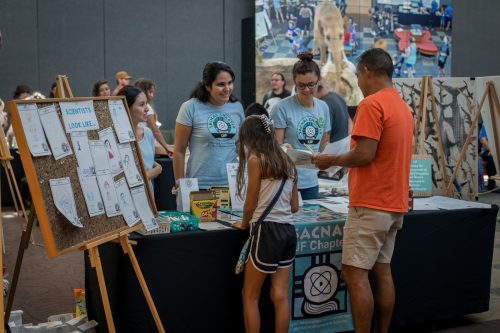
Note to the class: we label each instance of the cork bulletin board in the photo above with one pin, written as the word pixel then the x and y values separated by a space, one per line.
pixel 59 235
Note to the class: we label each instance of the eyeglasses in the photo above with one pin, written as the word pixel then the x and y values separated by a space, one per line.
pixel 310 85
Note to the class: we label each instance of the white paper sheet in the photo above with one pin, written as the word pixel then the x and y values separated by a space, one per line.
pixel 64 200
pixel 108 193
pixel 186 186
pixel 81 147
pixel 121 121
pixel 142 205
pixel 236 200
pixel 209 226
pixel 134 177
pixel 99 155
pixel 79 116
pixel 91 193
pixel 108 137
pixel 445 203
pixel 33 129
pixel 127 205
pixel 55 134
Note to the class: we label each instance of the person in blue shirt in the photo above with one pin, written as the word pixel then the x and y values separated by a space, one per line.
pixel 444 52
pixel 487 158
pixel 303 121
pixel 137 103
pixel 208 123
pixel 448 13
pixel 434 7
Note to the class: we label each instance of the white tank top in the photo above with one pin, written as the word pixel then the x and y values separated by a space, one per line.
pixel 281 212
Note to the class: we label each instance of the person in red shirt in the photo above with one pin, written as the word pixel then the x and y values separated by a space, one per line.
pixel 379 162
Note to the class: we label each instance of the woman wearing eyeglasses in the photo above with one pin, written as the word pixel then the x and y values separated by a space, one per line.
pixel 208 123
pixel 303 121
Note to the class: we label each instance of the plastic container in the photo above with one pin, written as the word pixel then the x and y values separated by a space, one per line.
pixel 179 221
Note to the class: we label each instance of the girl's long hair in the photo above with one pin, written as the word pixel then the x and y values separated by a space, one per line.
pixel 255 138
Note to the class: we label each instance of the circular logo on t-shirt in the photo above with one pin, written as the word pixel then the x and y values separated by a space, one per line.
pixel 309 130
pixel 221 126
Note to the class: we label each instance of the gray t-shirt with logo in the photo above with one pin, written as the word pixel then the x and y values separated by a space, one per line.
pixel 302 126
pixel 214 131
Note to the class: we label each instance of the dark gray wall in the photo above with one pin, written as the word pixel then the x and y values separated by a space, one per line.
pixel 476 38
pixel 167 41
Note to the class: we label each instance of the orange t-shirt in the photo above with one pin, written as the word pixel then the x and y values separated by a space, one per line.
pixel 383 184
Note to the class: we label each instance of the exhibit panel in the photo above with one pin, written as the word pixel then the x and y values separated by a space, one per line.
pixel 454 99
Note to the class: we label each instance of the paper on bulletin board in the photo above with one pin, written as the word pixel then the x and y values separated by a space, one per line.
pixel 113 155
pixel 127 205
pixel 33 130
pixel 236 200
pixel 79 116
pixel 53 130
pixel 121 121
pixel 91 193
pixel 80 142
pixel 132 174
pixel 98 152
pixel 421 175
pixel 108 192
pixel 142 204
pixel 64 200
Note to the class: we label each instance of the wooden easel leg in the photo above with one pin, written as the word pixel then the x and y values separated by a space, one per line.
pixel 23 245
pixel 95 261
pixel 127 248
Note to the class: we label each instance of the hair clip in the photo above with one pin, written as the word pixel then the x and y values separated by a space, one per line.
pixel 266 123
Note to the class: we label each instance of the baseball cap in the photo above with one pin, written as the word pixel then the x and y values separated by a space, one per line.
pixel 122 75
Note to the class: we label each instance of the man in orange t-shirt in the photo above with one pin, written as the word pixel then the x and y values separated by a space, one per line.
pixel 380 155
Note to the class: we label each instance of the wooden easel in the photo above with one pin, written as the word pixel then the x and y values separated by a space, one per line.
pixel 490 90
pixel 62 88
pixel 495 123
pixel 5 158
pixel 427 91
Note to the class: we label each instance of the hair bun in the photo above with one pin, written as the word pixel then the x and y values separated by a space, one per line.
pixel 305 56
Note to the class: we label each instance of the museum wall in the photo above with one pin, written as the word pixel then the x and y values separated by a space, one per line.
pixel 476 39
pixel 169 41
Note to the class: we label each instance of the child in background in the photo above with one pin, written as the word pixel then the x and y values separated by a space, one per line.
pixel 256 109
pixel 272 249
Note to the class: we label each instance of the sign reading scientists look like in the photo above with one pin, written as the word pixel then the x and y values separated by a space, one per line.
pixel 79 116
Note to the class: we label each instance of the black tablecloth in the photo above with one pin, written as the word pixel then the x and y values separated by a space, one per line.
pixel 441 267
pixel 425 20
pixel 163 184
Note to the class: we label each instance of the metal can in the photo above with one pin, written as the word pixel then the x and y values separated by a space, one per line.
pixel 410 200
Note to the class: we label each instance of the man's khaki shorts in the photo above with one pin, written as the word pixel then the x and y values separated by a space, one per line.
pixel 369 236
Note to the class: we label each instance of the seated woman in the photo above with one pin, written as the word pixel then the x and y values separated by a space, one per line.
pixel 137 104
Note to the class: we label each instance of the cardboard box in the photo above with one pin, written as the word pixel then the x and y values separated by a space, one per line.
pixel 203 205
pixel 223 197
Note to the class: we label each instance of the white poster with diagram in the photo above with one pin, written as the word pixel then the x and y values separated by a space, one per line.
pixel 121 121
pixel 79 116
pixel 91 193
pixel 108 192
pixel 98 152
pixel 54 131
pixel 64 200
pixel 113 155
pixel 134 177
pixel 142 204
pixel 80 142
pixel 127 205
pixel 33 130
